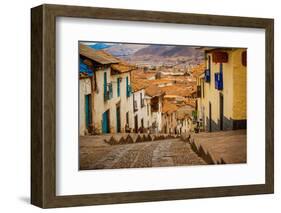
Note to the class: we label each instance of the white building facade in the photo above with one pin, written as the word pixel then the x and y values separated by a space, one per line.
pixel 111 98
pixel 140 111
pixel 85 108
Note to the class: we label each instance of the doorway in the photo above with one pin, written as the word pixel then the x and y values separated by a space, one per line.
pixel 105 122
pixel 136 124
pixel 88 113
pixel 118 124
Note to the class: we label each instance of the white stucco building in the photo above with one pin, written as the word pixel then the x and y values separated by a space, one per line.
pixel 155 97
pixel 111 98
pixel 85 120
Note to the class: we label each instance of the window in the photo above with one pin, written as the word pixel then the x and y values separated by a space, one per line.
pixel 141 100
pixel 135 104
pixel 219 79
pixel 208 70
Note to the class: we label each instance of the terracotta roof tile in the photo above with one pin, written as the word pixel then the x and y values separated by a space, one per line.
pixel 153 91
pixel 122 68
pixel 139 73
pixel 176 89
pixel 138 84
pixel 161 81
pixel 198 70
pixel 169 107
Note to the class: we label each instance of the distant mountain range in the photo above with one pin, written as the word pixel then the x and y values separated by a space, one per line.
pixel 169 51
pixel 124 50
pixel 118 50
pixel 139 51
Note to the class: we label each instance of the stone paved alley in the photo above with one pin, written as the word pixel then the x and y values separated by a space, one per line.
pixel 171 152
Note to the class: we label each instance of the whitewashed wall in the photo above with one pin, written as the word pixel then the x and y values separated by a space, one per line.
pixel 100 106
pixel 84 89
pixel 142 111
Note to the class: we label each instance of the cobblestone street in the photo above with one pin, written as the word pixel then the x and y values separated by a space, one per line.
pixel 95 154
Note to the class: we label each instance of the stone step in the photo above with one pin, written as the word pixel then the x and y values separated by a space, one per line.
pixel 112 140
pixel 146 137
pixel 129 139
pixel 221 147
pixel 202 153
pixel 136 138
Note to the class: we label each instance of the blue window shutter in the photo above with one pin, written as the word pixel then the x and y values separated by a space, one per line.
pixel 207 76
pixel 127 86
pixel 104 84
pixel 118 87
pixel 219 78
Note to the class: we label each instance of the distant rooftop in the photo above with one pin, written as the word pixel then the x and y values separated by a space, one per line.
pixel 176 89
pixel 140 74
pixel 139 84
pixel 169 107
pixel 153 91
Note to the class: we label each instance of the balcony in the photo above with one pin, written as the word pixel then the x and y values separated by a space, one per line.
pixel 218 81
pixel 207 75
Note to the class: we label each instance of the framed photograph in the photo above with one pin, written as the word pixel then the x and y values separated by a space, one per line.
pixel 136 106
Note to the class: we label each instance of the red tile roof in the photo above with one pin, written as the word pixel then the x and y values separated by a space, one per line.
pixel 153 91
pixel 138 84
pixel 122 67
pixel 140 74
pixel 176 89
pixel 169 107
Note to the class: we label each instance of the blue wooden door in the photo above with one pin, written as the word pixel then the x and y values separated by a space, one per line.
pixel 105 122
pixel 88 110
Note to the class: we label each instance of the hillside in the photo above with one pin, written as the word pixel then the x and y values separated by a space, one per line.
pixel 169 51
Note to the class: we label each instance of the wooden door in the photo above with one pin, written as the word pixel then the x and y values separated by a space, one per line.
pixel 136 124
pixel 88 114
